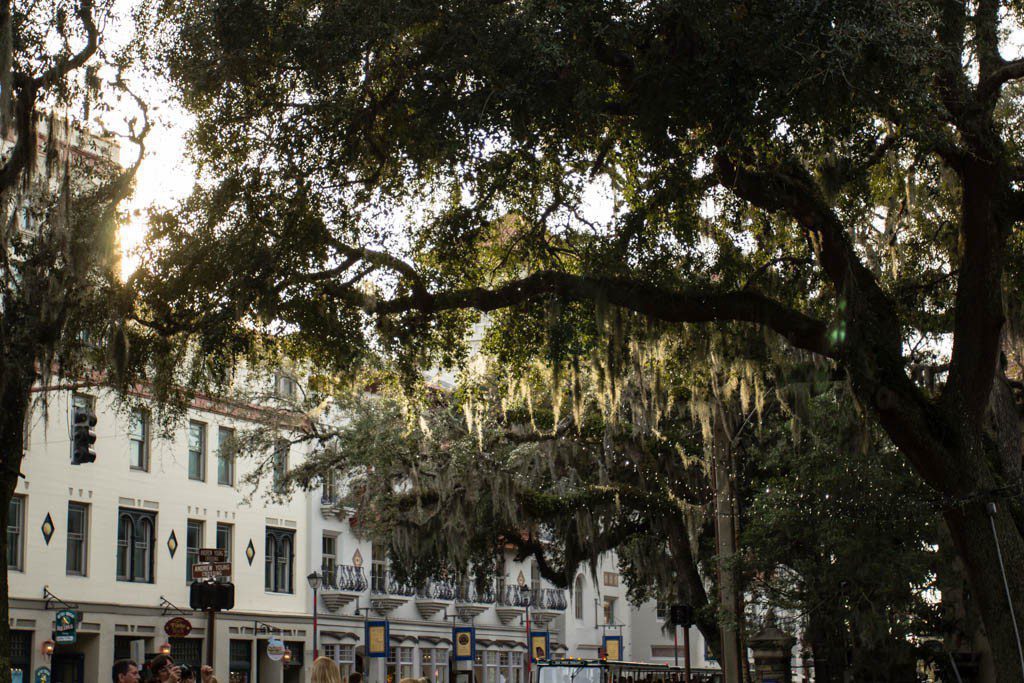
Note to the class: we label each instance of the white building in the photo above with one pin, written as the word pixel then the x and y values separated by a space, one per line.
pixel 115 540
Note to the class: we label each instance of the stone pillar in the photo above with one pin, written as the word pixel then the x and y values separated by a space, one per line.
pixel 772 650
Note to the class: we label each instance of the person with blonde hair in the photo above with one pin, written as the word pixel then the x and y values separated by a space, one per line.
pixel 326 671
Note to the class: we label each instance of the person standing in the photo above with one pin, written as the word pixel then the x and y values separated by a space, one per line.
pixel 325 670
pixel 125 671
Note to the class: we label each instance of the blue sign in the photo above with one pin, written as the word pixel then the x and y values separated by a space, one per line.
pixel 613 648
pixel 464 639
pixel 43 674
pixel 378 637
pixel 540 645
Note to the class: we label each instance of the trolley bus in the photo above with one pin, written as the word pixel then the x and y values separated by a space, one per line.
pixel 612 671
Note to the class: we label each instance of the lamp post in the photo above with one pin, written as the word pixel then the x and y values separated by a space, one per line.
pixel 529 642
pixel 366 658
pixel 314 582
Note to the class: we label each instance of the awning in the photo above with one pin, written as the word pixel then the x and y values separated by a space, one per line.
pixel 403 638
pixel 435 640
pixel 340 635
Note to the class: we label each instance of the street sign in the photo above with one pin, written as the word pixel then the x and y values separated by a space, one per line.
pixel 65 627
pixel 178 627
pixel 213 555
pixel 275 649
pixel 210 570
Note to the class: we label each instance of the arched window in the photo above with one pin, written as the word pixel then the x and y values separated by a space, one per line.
pixel 284 565
pixel 577 597
pixel 279 558
pixel 270 565
pixel 143 552
pixel 136 534
pixel 124 541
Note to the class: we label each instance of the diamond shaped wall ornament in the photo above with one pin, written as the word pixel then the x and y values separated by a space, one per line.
pixel 521 579
pixel 250 552
pixel 357 558
pixel 172 543
pixel 47 528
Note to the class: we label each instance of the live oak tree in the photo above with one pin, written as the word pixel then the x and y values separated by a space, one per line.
pixel 841 537
pixel 613 456
pixel 844 174
pixel 514 459
pixel 62 308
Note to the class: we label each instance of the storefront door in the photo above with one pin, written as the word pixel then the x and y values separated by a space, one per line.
pixel 68 668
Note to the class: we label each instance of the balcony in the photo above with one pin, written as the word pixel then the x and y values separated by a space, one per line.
pixel 471 601
pixel 434 596
pixel 342 585
pixel 387 593
pixel 546 604
pixel 328 503
pixel 512 601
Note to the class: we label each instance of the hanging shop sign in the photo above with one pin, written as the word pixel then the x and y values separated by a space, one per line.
pixel 275 649
pixel 65 627
pixel 178 627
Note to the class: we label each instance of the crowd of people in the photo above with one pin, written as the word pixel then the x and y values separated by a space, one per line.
pixel 162 669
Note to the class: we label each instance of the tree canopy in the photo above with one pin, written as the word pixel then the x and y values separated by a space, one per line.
pixel 843 174
pixel 65 109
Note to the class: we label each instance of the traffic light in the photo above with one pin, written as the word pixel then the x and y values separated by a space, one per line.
pixel 83 435
pixel 205 595
pixel 681 615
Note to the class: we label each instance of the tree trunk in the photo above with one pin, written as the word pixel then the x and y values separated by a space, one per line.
pixel 827 638
pixel 8 481
pixel 971 529
pixel 15 401
pixel 725 538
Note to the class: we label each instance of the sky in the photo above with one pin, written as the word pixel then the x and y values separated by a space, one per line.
pixel 166 175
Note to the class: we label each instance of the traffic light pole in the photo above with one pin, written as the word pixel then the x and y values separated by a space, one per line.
pixel 209 635
pixel 686 654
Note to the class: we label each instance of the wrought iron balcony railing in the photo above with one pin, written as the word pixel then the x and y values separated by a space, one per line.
pixel 513 596
pixel 437 590
pixel 548 599
pixel 468 592
pixel 345 578
pixel 387 584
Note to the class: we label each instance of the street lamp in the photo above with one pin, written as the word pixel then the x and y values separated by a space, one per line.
pixel 314 582
pixel 529 641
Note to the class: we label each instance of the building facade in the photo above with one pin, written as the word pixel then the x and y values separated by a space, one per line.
pixel 115 540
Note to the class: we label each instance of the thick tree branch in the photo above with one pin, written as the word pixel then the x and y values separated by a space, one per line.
pixel 990 86
pixel 873 352
pixel 663 304
pixel 792 191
